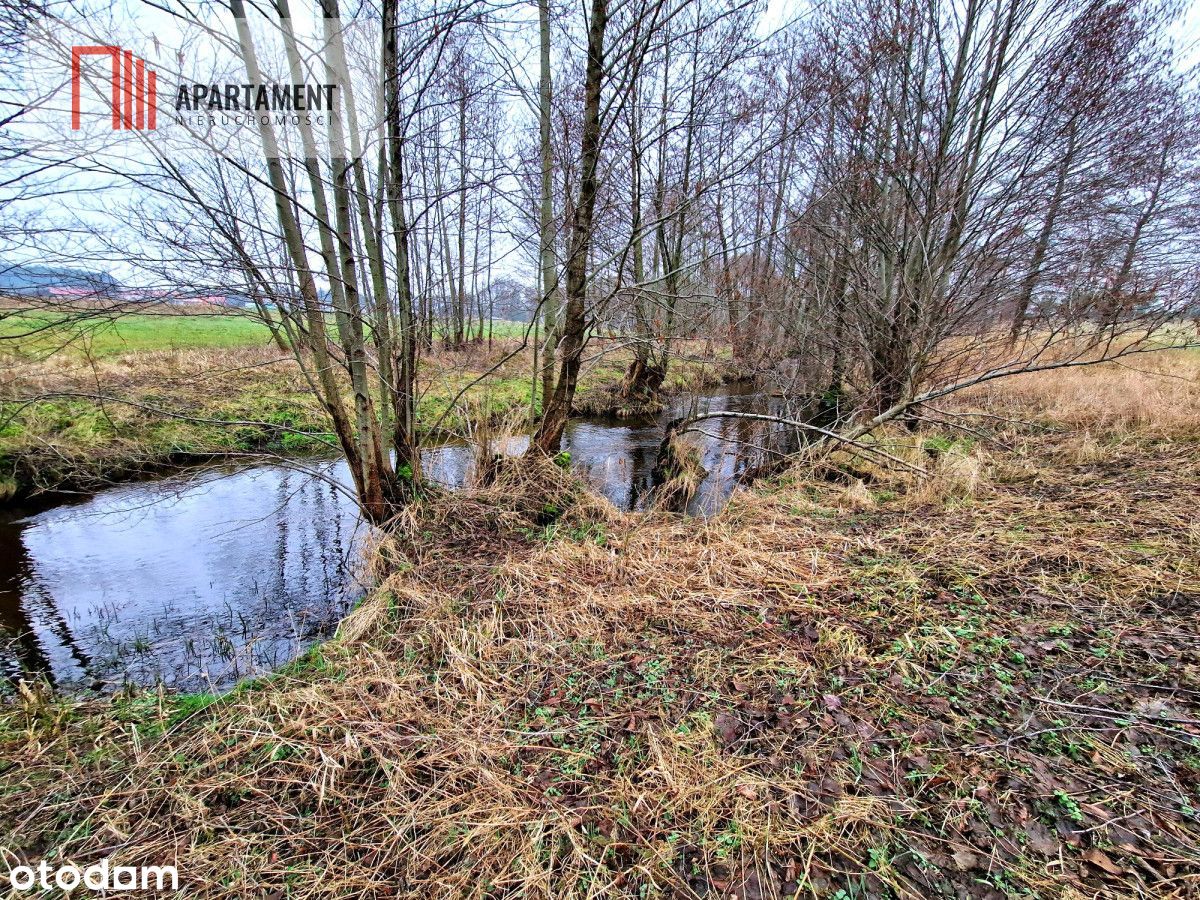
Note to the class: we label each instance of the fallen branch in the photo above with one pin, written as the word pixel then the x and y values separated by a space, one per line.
pixel 681 427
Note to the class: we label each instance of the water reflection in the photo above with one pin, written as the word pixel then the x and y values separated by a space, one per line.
pixel 196 581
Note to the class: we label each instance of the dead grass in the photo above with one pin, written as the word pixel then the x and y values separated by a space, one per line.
pixel 1159 392
pixel 857 681
pixel 981 691
pixel 683 474
pixel 957 474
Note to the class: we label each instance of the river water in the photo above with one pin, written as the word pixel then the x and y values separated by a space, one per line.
pixel 202 578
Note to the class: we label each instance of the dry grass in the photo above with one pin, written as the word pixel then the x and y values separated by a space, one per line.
pixel 1159 392
pixel 979 682
pixel 957 474
pixel 683 473
pixel 145 370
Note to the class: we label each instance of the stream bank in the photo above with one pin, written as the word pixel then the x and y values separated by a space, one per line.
pixel 822 691
pixel 203 577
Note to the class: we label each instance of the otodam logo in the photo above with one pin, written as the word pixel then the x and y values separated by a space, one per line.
pixel 134 88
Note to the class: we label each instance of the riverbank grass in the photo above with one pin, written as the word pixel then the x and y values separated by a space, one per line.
pixel 847 684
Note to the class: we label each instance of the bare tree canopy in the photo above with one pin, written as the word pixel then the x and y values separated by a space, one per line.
pixel 869 207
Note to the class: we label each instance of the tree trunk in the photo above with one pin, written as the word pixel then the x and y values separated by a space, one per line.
pixel 1117 301
pixel 1040 248
pixel 462 325
pixel 549 276
pixel 404 395
pixel 317 342
pixel 558 404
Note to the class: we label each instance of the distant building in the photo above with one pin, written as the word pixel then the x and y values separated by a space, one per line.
pixel 67 284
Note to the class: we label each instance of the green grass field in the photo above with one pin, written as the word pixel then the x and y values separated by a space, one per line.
pixel 46 332
pixel 36 333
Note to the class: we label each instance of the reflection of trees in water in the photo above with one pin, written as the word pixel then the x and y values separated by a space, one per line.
pixel 734 449
pixel 285 576
pixel 24 599
pixel 641 475
pixel 314 576
pixel 729 448
pixel 282 530
pixel 745 447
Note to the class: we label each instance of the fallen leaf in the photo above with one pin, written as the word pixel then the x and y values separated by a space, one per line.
pixel 1102 860
pixel 728 727
pixel 965 860
pixel 1041 840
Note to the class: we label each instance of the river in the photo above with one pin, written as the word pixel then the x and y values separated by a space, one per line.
pixel 204 577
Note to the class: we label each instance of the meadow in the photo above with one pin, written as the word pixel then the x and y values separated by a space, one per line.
pixel 33 333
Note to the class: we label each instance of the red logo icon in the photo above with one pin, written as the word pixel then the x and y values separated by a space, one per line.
pixel 134 88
